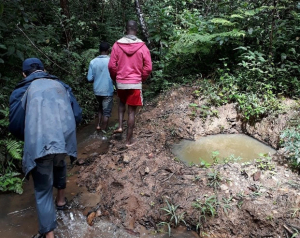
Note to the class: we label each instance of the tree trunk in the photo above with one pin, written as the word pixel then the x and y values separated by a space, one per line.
pixel 142 22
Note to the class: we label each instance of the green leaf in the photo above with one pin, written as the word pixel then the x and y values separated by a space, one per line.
pixel 222 21
pixel 10 50
pixel 1 8
pixel 20 55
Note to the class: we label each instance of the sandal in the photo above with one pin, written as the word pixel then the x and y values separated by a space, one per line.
pixel 62 207
pixel 38 235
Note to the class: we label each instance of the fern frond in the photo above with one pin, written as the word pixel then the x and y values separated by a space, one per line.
pixel 236 16
pixel 197 43
pixel 14 148
pixel 221 21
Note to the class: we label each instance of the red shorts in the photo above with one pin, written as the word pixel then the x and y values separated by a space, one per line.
pixel 132 97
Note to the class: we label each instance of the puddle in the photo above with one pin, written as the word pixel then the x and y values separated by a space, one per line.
pixel 238 145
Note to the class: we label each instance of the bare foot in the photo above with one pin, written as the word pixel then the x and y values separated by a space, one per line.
pixel 131 144
pixel 119 130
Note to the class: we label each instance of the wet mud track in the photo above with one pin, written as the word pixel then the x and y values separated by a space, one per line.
pixel 135 184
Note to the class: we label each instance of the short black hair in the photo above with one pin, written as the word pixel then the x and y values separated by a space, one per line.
pixel 33 67
pixel 104 46
pixel 131 26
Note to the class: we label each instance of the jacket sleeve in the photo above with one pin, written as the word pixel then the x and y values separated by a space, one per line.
pixel 77 111
pixel 113 63
pixel 90 76
pixel 17 113
pixel 147 64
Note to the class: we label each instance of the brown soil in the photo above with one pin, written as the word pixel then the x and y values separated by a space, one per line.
pixel 133 184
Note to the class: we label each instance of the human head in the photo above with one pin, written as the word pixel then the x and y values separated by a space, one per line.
pixel 131 27
pixel 31 65
pixel 103 47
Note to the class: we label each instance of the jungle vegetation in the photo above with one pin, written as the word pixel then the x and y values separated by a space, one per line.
pixel 240 51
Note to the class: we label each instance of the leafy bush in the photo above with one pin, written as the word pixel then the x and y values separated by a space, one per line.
pixel 10 182
pixel 291 142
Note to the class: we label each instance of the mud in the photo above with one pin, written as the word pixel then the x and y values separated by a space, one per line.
pixel 132 185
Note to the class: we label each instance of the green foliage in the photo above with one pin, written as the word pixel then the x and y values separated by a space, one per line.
pixel 214 179
pixel 204 164
pixel 226 204
pixel 259 42
pixel 291 142
pixel 264 162
pixel 174 219
pixel 10 156
pixel 205 207
pixel 14 148
pixel 10 182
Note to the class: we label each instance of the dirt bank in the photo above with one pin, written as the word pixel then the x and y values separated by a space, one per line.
pixel 227 200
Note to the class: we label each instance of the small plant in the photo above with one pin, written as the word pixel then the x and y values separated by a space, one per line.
pixel 240 195
pixel 176 159
pixel 206 208
pixel 196 93
pixel 215 157
pixel 174 217
pixel 295 212
pixel 214 179
pixel 264 162
pixel 231 159
pixel 294 184
pixel 270 218
pixel 291 142
pixel 226 204
pixel 173 131
pixel 204 164
pixel 193 114
pixel 10 182
pixel 256 191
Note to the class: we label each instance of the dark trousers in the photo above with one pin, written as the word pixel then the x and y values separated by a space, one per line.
pixel 50 171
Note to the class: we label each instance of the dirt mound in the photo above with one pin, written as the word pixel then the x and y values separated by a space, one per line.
pixel 227 200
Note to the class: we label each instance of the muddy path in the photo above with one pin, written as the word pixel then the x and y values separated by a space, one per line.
pixel 134 184
pixel 18 216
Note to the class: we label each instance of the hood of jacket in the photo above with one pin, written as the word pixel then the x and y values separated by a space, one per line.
pixel 130 45
pixel 34 76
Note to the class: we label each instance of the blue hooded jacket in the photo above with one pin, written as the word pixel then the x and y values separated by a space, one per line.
pixel 51 110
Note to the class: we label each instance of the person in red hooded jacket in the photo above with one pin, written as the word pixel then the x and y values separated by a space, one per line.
pixel 130 65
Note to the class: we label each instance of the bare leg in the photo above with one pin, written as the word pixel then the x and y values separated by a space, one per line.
pixel 121 110
pixel 50 234
pixel 130 123
pixel 60 199
pixel 99 116
pixel 104 123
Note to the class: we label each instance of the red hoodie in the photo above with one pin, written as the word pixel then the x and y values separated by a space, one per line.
pixel 130 61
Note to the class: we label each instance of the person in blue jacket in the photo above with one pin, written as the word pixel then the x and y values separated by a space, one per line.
pixel 103 85
pixel 43 113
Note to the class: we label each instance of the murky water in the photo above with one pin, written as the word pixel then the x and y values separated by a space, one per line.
pixel 237 145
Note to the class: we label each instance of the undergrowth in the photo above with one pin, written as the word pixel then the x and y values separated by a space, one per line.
pixel 290 140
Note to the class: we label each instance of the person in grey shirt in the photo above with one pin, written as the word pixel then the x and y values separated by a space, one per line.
pixel 103 85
